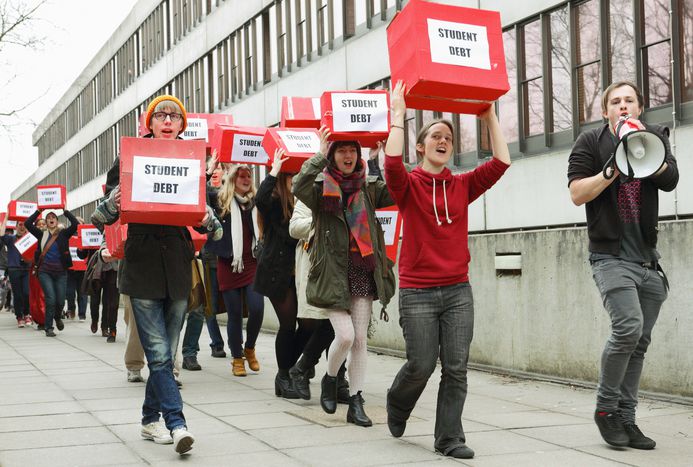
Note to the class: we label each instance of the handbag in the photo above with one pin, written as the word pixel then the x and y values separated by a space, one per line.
pixel 35 267
pixel 91 283
pixel 198 296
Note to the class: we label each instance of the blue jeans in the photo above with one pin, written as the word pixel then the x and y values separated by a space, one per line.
pixel 193 329
pixel 19 279
pixel 53 285
pixel 234 327
pixel 74 287
pixel 158 324
pixel 437 320
pixel 632 295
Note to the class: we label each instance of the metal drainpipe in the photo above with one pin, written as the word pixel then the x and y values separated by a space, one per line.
pixel 673 106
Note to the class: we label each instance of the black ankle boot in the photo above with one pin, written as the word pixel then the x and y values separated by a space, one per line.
pixel 299 377
pixel 283 386
pixel 356 414
pixel 328 395
pixel 342 386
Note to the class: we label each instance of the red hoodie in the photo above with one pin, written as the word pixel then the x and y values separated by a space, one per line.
pixel 434 239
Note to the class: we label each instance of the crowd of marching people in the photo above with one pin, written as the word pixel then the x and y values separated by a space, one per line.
pixel 308 242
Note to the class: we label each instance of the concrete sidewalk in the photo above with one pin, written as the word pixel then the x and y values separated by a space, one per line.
pixel 65 402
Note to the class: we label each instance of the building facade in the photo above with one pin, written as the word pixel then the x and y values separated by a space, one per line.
pixel 241 56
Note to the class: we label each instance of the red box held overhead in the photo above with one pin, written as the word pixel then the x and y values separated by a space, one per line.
pixel 162 181
pixel 391 222
pixel 300 112
pixel 198 239
pixel 27 246
pixel 51 196
pixel 240 145
pixel 78 264
pixel 362 116
pixel 200 127
pixel 20 210
pixel 116 234
pixel 450 58
pixel 90 238
pixel 300 145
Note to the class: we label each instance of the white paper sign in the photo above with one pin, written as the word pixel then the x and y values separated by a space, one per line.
pixel 73 253
pixel 165 181
pixel 388 221
pixel 25 209
pixel 196 129
pixel 24 243
pixel 248 148
pixel 50 196
pixel 359 112
pixel 300 141
pixel 459 44
pixel 316 107
pixel 91 237
pixel 11 224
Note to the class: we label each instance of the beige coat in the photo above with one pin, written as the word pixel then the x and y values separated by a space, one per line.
pixel 300 228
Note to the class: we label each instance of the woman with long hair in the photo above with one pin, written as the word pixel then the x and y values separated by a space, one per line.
pixel 235 207
pixel 435 299
pixel 348 264
pixel 53 259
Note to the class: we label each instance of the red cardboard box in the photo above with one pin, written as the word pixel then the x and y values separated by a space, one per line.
pixel 300 112
pixel 240 145
pixel 200 127
pixel 391 223
pixel 300 145
pixel 162 181
pixel 51 196
pixel 450 58
pixel 78 264
pixel 27 246
pixel 116 234
pixel 20 210
pixel 11 225
pixel 90 238
pixel 362 116
pixel 198 239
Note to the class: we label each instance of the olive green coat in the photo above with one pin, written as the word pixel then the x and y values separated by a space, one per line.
pixel 328 282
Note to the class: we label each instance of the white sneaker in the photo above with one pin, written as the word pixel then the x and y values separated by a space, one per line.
pixel 182 440
pixel 134 376
pixel 156 432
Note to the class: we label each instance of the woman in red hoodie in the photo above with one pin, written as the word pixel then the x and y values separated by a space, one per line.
pixel 435 299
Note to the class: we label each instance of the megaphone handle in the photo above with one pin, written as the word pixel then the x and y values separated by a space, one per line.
pixel 609 163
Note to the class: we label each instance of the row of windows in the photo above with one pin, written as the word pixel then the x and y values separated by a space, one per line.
pixel 558 63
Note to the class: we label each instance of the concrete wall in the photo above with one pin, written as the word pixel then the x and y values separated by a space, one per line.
pixel 550 320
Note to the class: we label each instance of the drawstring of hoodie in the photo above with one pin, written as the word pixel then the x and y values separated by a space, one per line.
pixel 445 199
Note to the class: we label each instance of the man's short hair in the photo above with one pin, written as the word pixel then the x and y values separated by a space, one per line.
pixel 618 84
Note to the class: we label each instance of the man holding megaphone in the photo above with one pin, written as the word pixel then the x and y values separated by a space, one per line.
pixel 617 170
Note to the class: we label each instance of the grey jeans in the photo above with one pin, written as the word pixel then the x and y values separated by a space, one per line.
pixel 435 321
pixel 632 295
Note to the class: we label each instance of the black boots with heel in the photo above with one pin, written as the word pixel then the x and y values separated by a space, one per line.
pixel 356 414
pixel 283 387
pixel 328 395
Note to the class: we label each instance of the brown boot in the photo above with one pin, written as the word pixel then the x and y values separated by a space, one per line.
pixel 238 367
pixel 253 364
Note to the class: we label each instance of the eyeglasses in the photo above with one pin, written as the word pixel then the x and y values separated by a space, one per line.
pixel 161 116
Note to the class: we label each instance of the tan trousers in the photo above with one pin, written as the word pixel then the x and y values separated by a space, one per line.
pixel 134 353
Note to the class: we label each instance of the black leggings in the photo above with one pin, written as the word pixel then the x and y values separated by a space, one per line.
pixel 290 341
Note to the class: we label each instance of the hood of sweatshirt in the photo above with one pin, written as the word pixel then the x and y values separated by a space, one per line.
pixel 435 183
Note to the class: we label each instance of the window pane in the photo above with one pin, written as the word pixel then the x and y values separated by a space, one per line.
pixel 622 45
pixel 560 69
pixel 534 112
pixel 467 132
pixel 533 55
pixel 687 49
pixel 656 62
pixel 656 20
pixel 589 93
pixel 507 110
pixel 410 136
pixel 587 22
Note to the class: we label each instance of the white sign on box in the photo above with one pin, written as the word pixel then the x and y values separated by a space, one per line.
pixel 73 253
pixel 388 221
pixel 459 44
pixel 24 243
pixel 300 141
pixel 11 224
pixel 197 129
pixel 49 196
pixel 26 209
pixel 91 237
pixel 165 181
pixel 248 148
pixel 359 112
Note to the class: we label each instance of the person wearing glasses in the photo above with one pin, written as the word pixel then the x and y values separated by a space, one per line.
pixel 156 276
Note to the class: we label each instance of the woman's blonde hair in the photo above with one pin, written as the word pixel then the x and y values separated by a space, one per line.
pixel 228 188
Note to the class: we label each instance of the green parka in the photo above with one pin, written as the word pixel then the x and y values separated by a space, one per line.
pixel 328 283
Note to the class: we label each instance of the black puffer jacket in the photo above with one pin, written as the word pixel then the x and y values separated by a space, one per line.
pixel 275 267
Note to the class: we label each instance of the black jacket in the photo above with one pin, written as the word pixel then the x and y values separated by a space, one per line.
pixel 63 240
pixel 275 266
pixel 591 151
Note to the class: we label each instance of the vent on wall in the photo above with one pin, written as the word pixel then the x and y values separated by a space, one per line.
pixel 508 264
